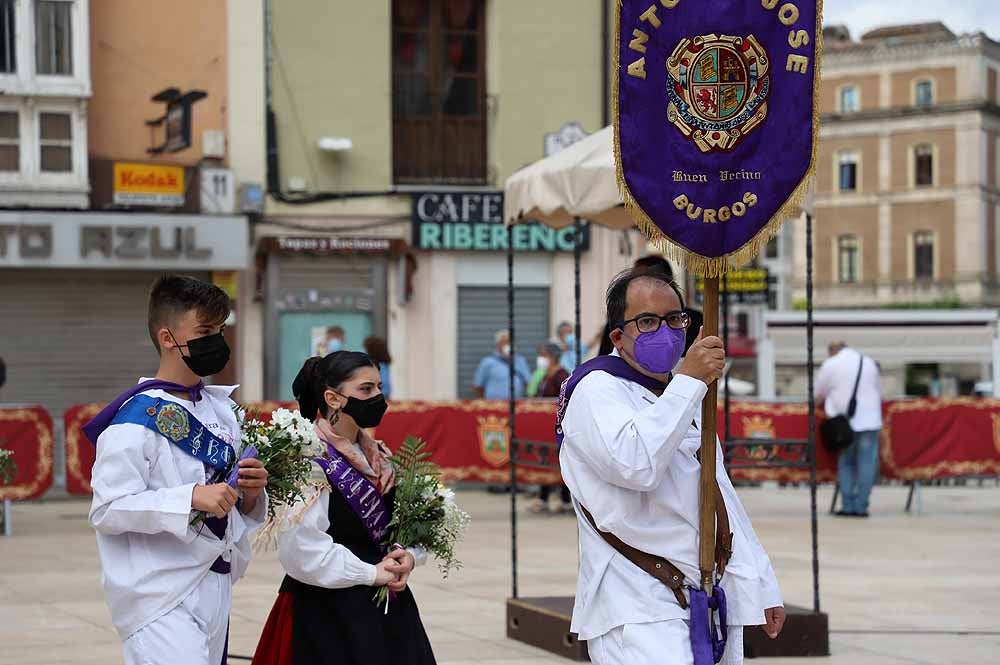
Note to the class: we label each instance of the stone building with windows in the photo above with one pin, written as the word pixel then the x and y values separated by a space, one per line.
pixel 907 181
pixel 391 127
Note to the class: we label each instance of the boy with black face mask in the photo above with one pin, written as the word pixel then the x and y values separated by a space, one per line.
pixel 164 449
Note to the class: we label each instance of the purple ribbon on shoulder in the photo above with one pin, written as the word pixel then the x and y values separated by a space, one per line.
pixel 708 638
pixel 102 420
pixel 359 492
pixel 613 365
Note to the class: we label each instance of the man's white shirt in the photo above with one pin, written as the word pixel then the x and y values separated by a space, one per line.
pixel 836 382
pixel 629 457
pixel 151 557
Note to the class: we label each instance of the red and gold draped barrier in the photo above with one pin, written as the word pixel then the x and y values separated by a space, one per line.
pixel 921 439
pixel 941 438
pixel 80 452
pixel 27 432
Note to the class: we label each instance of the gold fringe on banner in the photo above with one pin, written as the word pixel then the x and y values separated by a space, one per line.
pixel 708 266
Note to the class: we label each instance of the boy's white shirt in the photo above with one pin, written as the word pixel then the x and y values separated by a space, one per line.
pixel 151 558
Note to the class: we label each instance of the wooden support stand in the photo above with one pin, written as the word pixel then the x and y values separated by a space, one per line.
pixel 544 623
pixel 805 634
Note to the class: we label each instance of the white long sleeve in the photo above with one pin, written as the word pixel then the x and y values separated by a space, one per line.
pixel 311 556
pixel 123 501
pixel 624 447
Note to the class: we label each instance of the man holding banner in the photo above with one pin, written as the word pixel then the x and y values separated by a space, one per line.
pixel 631 439
pixel 716 128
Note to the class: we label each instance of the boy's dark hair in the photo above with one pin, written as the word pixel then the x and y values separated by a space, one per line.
pixel 173 296
pixel 318 374
pixel 618 290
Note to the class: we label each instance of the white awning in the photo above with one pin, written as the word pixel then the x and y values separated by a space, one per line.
pixel 579 181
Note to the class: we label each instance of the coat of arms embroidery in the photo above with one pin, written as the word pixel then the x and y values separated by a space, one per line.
pixel 718 88
pixel 172 422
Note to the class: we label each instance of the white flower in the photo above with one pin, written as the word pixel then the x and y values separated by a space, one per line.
pixel 448 496
pixel 282 418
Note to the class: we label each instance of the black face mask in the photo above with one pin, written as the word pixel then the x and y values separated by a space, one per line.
pixel 206 355
pixel 366 412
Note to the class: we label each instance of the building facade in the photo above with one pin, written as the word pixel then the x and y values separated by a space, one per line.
pixel 907 181
pixel 387 149
pixel 112 187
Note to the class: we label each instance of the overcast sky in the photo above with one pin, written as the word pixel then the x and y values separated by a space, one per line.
pixel 959 15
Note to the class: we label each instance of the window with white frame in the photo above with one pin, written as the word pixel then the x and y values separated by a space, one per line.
pixel 847 171
pixel 923 255
pixel 847 259
pixel 8 37
pixel 923 165
pixel 55 140
pixel 54 37
pixel 10 141
pixel 850 101
pixel 924 93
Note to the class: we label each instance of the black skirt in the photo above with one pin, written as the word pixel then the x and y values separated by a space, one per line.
pixel 344 626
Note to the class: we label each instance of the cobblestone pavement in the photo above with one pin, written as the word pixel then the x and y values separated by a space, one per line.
pixel 899 589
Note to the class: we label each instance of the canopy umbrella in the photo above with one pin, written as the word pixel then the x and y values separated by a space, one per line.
pixel 579 181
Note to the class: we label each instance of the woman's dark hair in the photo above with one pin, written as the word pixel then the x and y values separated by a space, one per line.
pixel 319 374
pixel 377 349
pixel 618 290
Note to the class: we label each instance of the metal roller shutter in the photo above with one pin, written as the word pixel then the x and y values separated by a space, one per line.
pixel 307 273
pixel 483 310
pixel 71 337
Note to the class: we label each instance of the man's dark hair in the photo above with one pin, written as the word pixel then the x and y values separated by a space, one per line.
pixel 173 296
pixel 618 292
pixel 377 349
pixel 654 263
pixel 335 330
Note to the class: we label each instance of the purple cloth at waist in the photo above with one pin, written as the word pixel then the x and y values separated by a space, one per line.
pixel 102 420
pixel 218 528
pixel 708 638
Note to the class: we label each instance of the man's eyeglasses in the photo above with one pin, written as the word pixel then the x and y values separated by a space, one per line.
pixel 647 323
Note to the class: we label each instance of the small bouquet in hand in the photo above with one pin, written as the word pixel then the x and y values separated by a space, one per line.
pixel 425 514
pixel 286 447
pixel 8 469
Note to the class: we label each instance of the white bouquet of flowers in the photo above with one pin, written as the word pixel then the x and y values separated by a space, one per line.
pixel 8 469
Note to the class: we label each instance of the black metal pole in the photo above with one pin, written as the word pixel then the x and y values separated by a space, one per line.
pixel 812 410
pixel 512 399
pixel 577 248
pixel 725 345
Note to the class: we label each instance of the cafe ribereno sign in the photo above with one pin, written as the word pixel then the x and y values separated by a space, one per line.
pixel 473 221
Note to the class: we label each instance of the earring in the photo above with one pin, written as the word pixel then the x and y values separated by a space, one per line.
pixel 334 417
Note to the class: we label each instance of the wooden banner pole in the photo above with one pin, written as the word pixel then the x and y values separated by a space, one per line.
pixel 706 551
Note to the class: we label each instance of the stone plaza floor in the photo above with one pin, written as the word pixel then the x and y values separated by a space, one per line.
pixel 899 588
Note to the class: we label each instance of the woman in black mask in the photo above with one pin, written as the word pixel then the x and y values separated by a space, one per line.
pixel 332 544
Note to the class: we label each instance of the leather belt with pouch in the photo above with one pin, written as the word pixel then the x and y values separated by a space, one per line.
pixel 662 569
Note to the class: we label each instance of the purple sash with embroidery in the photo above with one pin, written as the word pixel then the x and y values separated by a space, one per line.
pixel 613 365
pixel 359 492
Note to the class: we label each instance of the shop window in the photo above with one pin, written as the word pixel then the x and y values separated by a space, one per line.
pixel 850 101
pixel 924 93
pixel 10 141
pixel 54 37
pixel 55 140
pixel 847 259
pixel 847 170
pixel 439 91
pixel 923 165
pixel 923 255
pixel 8 37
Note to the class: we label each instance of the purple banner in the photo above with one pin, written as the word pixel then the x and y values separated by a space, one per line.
pixel 361 495
pixel 716 122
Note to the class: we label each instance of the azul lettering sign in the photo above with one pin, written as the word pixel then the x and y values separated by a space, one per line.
pixel 148 184
pixel 473 221
pixel 122 241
